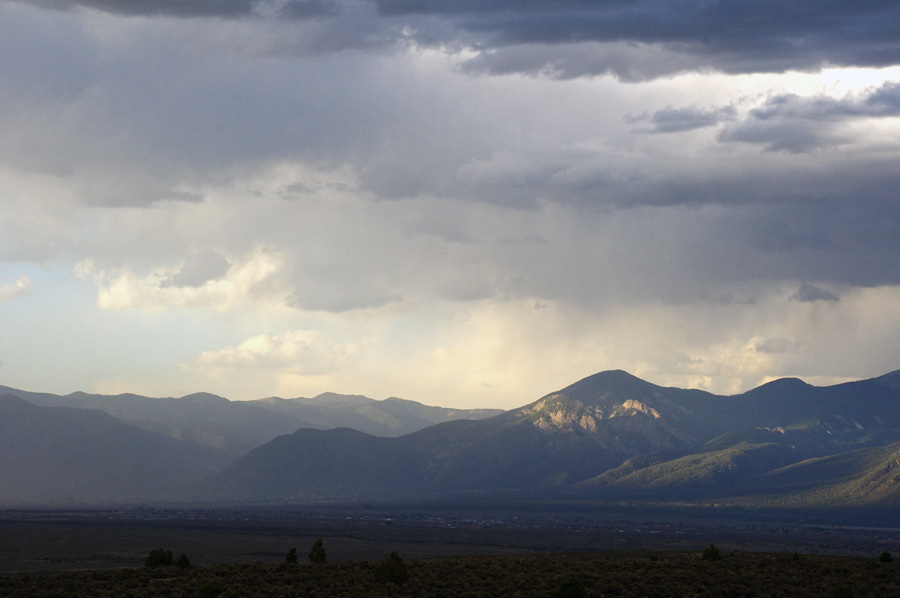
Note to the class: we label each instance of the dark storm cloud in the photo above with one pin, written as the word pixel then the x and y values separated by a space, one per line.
pixel 677 120
pixel 794 123
pixel 880 102
pixel 738 36
pixel 336 299
pixel 840 240
pixel 198 8
pixel 634 40
pixel 791 136
pixel 172 103
pixel 768 181
pixel 808 293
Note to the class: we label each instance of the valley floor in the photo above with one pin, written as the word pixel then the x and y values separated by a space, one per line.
pixel 605 573
pixel 92 539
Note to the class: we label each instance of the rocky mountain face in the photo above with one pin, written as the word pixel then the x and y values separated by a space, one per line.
pixel 623 414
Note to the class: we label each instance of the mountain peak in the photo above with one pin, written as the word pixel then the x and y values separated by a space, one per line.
pixel 785 384
pixel 204 397
pixel 621 376
pixel 340 399
pixel 604 395
pixel 611 383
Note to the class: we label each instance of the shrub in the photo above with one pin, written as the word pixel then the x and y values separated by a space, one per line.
pixel 392 570
pixel 886 557
pixel 210 589
pixel 291 556
pixel 183 562
pixel 570 588
pixel 842 592
pixel 317 552
pixel 159 558
pixel 711 553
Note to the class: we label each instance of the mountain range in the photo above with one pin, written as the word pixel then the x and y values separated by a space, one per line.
pixel 610 436
pixel 235 427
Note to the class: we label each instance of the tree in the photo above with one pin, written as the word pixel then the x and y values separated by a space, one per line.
pixel 392 570
pixel 211 589
pixel 183 562
pixel 317 552
pixel 711 553
pixel 291 556
pixel 886 557
pixel 159 558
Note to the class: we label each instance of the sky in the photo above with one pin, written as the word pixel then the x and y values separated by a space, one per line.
pixel 462 203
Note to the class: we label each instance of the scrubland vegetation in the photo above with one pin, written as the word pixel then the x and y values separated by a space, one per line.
pixel 620 574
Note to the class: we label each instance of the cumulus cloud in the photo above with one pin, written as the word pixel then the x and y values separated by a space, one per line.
pixel 304 352
pixel 122 289
pixel 20 288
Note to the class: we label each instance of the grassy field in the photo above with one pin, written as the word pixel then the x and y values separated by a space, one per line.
pixel 605 573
